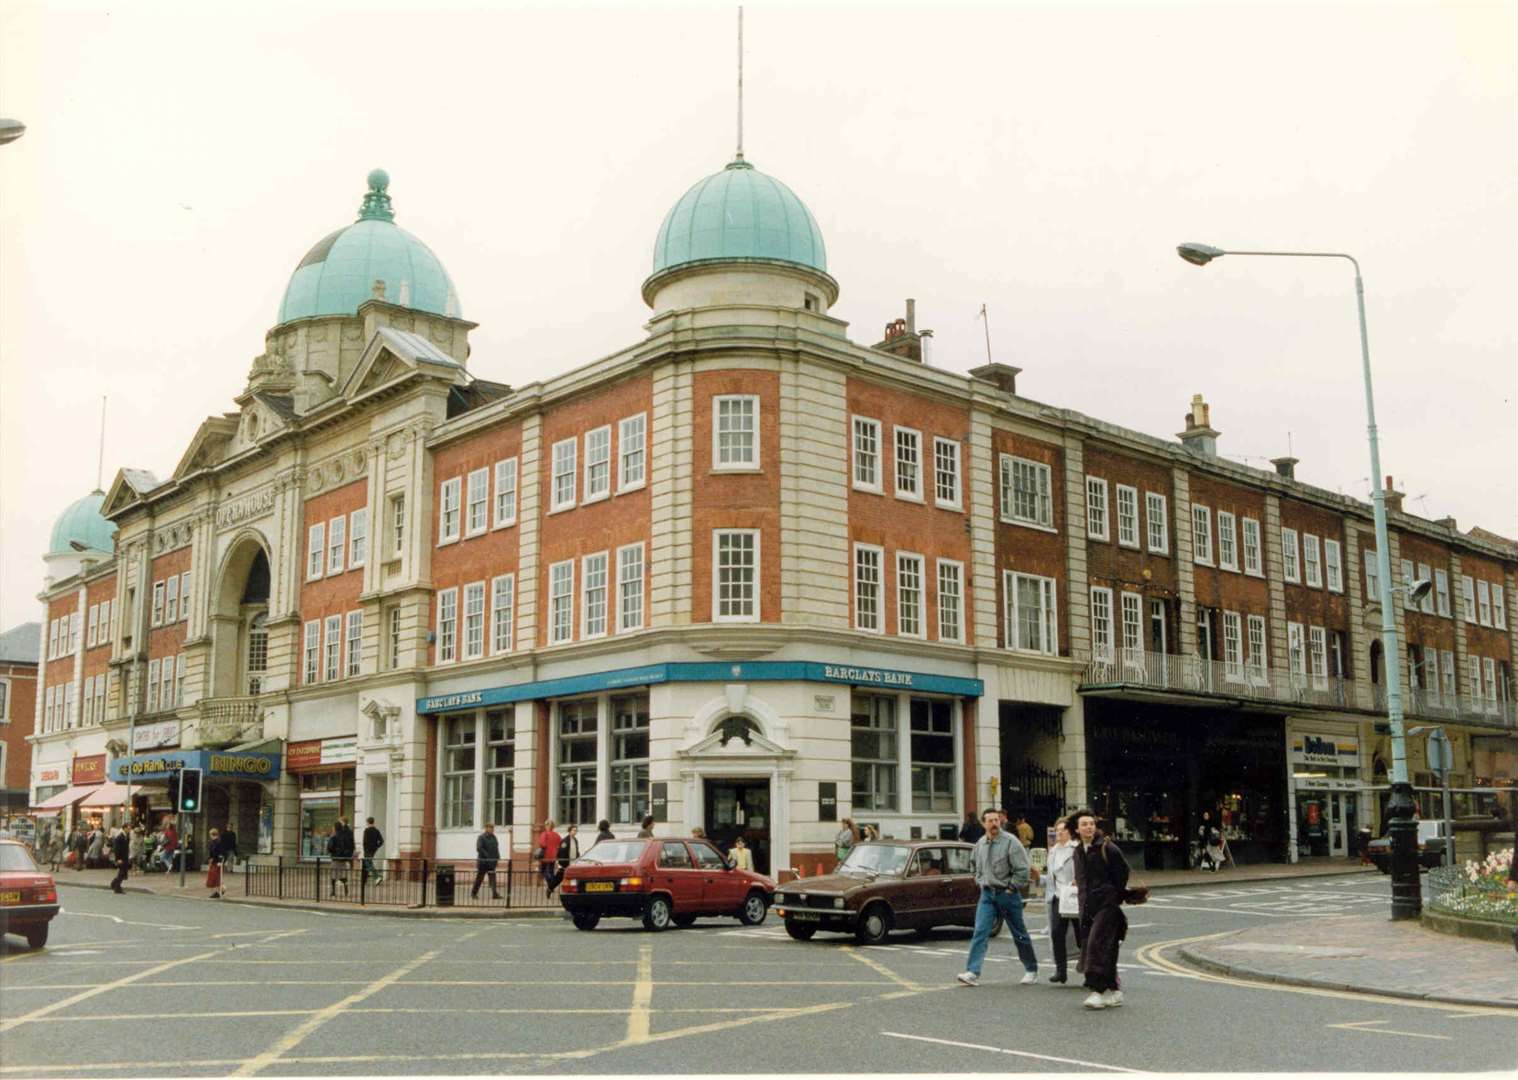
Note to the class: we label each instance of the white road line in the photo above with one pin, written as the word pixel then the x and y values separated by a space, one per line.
pixel 1015 1053
pixel 118 920
pixel 1367 1027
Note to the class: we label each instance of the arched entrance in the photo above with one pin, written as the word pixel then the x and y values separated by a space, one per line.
pixel 239 616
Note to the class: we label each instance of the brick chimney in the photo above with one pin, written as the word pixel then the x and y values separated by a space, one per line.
pixel 1393 496
pixel 1199 437
pixel 1286 466
pixel 1448 523
pixel 903 339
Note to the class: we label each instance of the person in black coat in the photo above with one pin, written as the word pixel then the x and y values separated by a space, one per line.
pixel 603 832
pixel 373 841
pixel 972 830
pixel 121 848
pixel 569 851
pixel 487 852
pixel 1101 877
pixel 340 847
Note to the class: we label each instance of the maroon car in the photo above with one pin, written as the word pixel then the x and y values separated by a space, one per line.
pixel 665 881
pixel 884 886
pixel 28 896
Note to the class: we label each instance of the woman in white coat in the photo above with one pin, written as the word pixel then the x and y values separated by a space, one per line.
pixel 1064 908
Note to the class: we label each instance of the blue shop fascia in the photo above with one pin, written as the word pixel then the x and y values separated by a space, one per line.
pixel 237 790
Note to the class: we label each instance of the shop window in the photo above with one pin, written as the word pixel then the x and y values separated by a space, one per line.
pixel 324 797
pixel 933 756
pixel 873 751
pixel 629 758
pixel 500 760
pixel 577 761
pixel 459 743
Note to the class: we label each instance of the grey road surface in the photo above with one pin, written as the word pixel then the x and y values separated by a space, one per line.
pixel 137 985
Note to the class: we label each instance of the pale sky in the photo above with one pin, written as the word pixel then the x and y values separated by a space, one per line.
pixel 1043 159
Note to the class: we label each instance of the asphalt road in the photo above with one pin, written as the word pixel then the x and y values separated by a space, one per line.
pixel 137 985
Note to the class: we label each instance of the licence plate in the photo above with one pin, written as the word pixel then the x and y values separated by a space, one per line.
pixel 12 897
pixel 600 886
pixel 803 916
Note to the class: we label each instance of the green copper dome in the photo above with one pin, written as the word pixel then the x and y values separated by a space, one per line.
pixel 338 274
pixel 82 522
pixel 740 213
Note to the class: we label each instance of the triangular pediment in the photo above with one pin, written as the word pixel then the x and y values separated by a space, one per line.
pixel 720 744
pixel 392 355
pixel 209 446
pixel 128 487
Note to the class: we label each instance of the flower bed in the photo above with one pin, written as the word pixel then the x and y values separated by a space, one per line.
pixel 1477 890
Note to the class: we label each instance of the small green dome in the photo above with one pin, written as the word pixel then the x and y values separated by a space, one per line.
pixel 739 213
pixel 82 522
pixel 338 274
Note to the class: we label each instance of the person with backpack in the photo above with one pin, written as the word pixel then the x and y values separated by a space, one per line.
pixel 1101 875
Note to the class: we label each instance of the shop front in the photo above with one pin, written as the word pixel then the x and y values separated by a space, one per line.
pixel 1155 770
pixel 326 770
pixel 1326 785
pixel 237 788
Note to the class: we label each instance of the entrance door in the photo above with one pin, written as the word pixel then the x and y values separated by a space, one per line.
pixel 737 808
pixel 1338 827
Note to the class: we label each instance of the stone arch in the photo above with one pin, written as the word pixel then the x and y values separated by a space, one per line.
pixel 233 608
pixel 736 702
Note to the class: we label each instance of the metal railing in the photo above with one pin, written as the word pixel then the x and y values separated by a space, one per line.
pixel 407 882
pixel 1456 890
pixel 1132 669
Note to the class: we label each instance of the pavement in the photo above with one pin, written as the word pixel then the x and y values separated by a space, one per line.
pixel 1367 954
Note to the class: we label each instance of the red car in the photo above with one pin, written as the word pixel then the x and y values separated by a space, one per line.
pixel 28 896
pixel 665 881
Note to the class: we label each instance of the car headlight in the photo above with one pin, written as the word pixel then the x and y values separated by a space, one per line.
pixel 781 898
pixel 838 902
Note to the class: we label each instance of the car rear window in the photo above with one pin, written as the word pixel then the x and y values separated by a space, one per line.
pixel 13 858
pixel 615 851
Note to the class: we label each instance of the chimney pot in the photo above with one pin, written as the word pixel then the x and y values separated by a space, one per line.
pixel 1286 466
pixel 911 315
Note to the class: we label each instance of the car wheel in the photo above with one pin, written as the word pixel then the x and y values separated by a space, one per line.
pixel 36 936
pixel 658 915
pixel 684 920
pixel 754 910
pixel 586 921
pixel 800 931
pixel 874 925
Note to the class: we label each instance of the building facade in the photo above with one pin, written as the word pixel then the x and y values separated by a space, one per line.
pixel 18 694
pixel 745 574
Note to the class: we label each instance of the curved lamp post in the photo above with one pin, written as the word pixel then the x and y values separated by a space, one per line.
pixel 1407 900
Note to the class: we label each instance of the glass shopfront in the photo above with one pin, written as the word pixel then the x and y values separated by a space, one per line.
pixel 1156 770
pixel 324 797
pixel 1326 777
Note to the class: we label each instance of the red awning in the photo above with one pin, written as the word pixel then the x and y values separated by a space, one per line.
pixel 106 795
pixel 67 797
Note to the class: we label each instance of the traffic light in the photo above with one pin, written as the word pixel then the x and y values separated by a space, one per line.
pixel 189 791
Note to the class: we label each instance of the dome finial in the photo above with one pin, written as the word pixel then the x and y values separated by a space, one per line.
pixel 377 202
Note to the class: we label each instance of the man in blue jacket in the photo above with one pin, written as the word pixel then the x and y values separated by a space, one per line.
pixel 487 853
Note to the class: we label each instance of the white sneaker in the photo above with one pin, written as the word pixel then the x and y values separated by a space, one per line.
pixel 1095 1001
pixel 969 978
pixel 1112 998
pixel 1029 978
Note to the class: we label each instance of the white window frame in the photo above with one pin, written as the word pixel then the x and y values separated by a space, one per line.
pixel 1447 667
pixel 946 452
pixel 1441 592
pixel 1484 602
pixel 170 604
pixel 1253 565
pixel 397 518
pixel 956 574
pixel 1473 680
pixel 1048 608
pixel 597 457
pixel 450 520
pixel 503 608
pixel 910 598
pixel 864 454
pixel 1291 558
pixel 864 555
pixel 477 504
pixel 156 620
pixel 1128 525
pixel 92 627
pixel 1312 561
pixel 1426 573
pixel 632 591
pixel 1296 652
pixel 1468 597
pixel 472 621
pixel 912 489
pixel 1317 657
pixel 1233 646
pixel 1101 624
pixel 632 431
pixel 1499 607
pixel 337 544
pixel 754 460
pixel 358 538
pixel 1333 566
pixel 1014 469
pixel 716 576
pixel 1157 508
pixel 1098 525
pixel 332 648
pixel 447 626
pixel 563 474
pixel 354 666
pixel 155 669
pixel 1372 577
pixel 1132 628
pixel 561 602
pixel 1201 534
pixel 595 568
pixel 1407 585
pixel 1228 541
pixel 505 493
pixel 1258 649
pixel 1488 668
pixel 312 647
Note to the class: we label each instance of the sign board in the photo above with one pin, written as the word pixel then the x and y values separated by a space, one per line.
pixel 827 800
pixel 51 775
pixel 89 770
pixel 313 755
pixel 659 801
pixel 151 736
pixel 1342 751
pixel 217 765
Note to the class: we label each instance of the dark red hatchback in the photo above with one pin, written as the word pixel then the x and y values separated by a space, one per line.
pixel 665 881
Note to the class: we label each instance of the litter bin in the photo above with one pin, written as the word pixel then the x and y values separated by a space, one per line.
pixel 444 887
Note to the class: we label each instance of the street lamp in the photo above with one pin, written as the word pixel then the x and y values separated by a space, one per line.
pixel 1407 900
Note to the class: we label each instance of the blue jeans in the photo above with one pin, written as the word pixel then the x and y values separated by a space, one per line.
pixel 1009 905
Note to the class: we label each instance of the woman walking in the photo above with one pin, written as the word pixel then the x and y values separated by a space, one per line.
pixel 547 855
pixel 569 851
pixel 1101 875
pixel 215 853
pixel 1063 903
